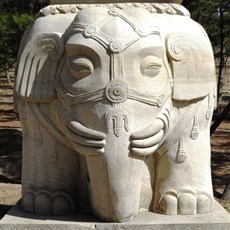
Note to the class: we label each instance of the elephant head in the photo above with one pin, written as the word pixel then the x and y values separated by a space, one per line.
pixel 110 77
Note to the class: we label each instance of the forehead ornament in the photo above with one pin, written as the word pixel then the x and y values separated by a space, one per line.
pixel 89 31
pixel 115 46
pixel 95 32
pixel 117 91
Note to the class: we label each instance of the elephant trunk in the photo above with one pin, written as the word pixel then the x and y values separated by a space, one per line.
pixel 115 180
pixel 116 176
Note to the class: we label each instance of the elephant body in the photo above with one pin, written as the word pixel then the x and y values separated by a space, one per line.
pixel 116 102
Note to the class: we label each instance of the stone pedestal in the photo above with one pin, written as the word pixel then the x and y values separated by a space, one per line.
pixel 219 219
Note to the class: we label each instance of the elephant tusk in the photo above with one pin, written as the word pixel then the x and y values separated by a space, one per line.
pixel 144 152
pixel 148 142
pixel 84 131
pixel 84 141
pixel 149 131
pixel 88 151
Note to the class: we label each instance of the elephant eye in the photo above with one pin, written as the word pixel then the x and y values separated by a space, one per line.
pixel 151 66
pixel 152 70
pixel 81 67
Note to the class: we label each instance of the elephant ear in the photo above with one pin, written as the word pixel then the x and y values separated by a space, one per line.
pixel 37 67
pixel 192 64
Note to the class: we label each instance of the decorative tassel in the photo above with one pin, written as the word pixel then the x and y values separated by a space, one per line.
pixel 54 156
pixel 209 111
pixel 181 154
pixel 195 132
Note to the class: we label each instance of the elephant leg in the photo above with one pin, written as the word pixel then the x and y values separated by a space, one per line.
pixel 50 174
pixel 183 176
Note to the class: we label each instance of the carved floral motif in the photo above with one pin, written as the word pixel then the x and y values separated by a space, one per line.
pixel 173 9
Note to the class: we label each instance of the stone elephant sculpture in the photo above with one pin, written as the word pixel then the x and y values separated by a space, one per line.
pixel 116 102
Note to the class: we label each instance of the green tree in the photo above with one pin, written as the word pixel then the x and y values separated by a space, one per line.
pixel 214 15
pixel 13 21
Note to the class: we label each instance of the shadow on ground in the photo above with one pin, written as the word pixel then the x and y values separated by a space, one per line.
pixel 4 209
pixel 10 155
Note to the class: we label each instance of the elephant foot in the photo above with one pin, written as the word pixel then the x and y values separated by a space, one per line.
pixel 45 203
pixel 185 202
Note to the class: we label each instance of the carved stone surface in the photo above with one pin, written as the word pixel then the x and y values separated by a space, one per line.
pixel 219 219
pixel 116 102
pixel 108 1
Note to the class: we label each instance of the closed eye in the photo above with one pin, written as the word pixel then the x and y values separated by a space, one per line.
pixel 80 67
pixel 152 70
pixel 151 66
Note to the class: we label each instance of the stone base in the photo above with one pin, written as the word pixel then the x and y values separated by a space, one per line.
pixel 16 219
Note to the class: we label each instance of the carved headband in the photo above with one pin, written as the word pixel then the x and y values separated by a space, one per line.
pixel 114 46
pixel 117 90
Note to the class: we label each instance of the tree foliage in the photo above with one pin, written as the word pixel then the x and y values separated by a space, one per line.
pixel 14 18
pixel 214 16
